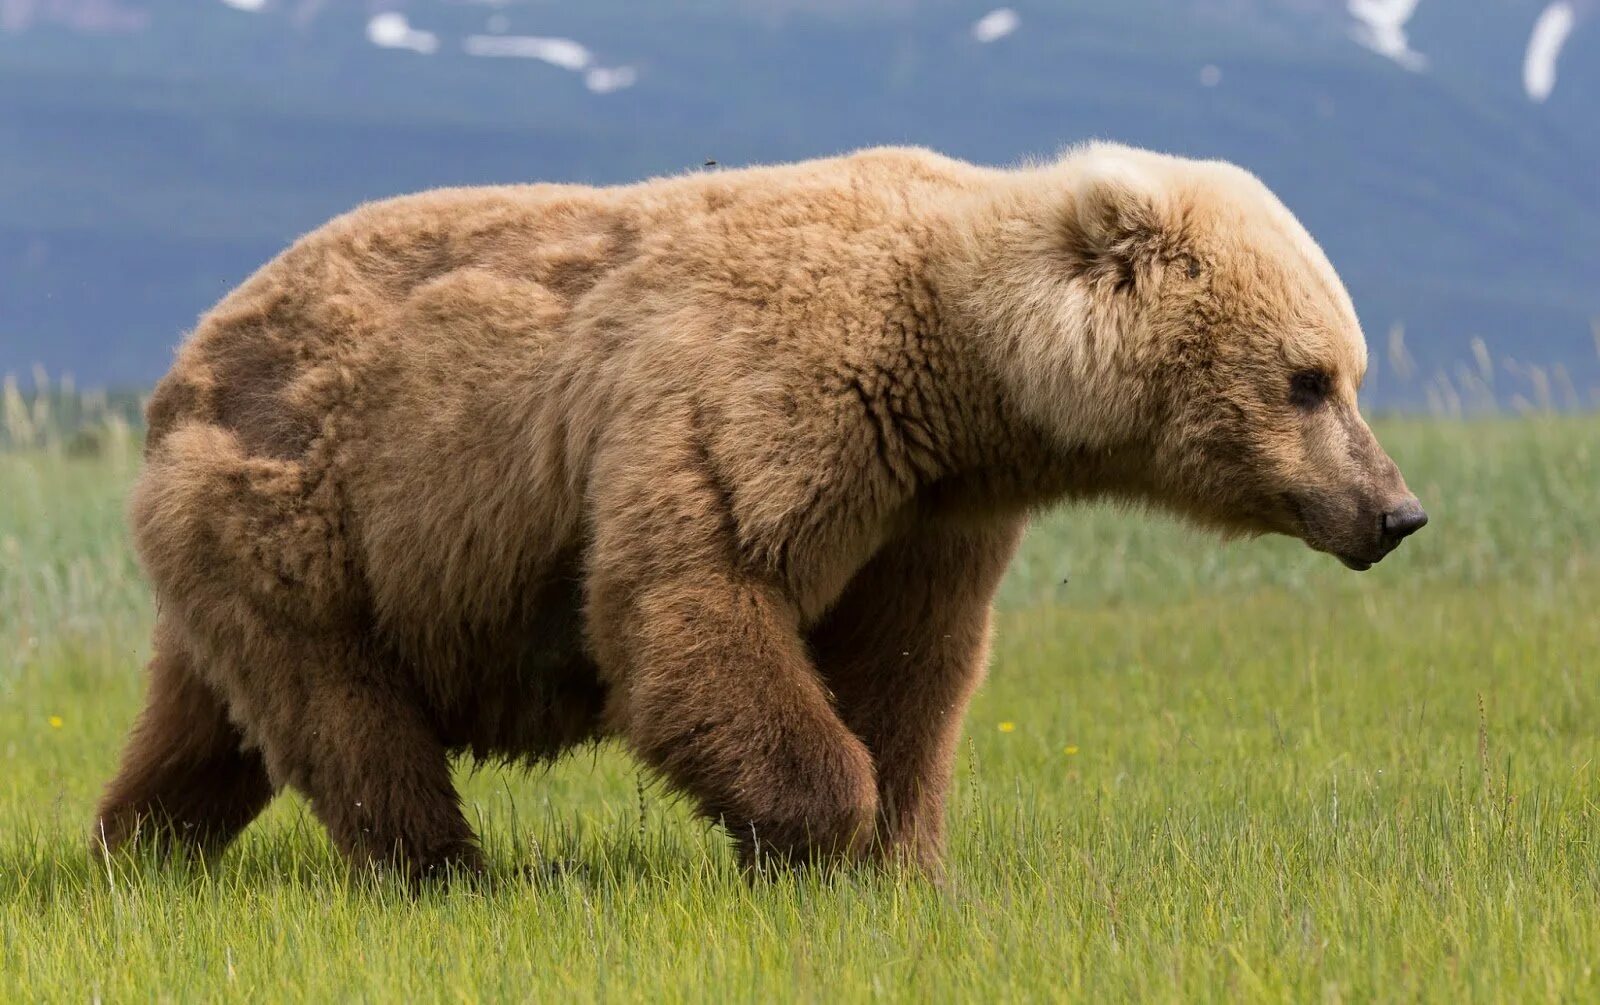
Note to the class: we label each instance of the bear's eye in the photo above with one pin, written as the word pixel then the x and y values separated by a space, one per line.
pixel 1309 388
pixel 1190 265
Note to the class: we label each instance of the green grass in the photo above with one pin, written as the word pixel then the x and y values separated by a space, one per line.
pixel 1227 772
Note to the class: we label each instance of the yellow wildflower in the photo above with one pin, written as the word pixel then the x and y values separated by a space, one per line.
pixel 1007 727
pixel 55 722
pixel 1071 749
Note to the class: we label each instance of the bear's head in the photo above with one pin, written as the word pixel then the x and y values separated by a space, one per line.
pixel 1173 313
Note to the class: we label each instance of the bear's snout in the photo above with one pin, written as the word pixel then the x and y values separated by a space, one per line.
pixel 1358 531
pixel 1403 521
pixel 1395 525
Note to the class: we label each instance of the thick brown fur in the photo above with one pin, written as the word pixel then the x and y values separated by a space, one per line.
pixel 728 466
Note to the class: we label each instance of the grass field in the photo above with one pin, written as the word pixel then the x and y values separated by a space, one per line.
pixel 1197 772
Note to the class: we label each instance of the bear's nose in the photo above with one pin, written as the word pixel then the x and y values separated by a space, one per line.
pixel 1403 521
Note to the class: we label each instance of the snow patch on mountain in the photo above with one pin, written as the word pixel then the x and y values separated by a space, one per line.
pixel 1550 33
pixel 604 80
pixel 562 52
pixel 391 30
pixel 995 25
pixel 1382 28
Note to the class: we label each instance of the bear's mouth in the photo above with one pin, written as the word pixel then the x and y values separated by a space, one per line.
pixel 1313 532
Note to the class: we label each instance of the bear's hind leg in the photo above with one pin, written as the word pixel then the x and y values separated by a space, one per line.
pixel 250 553
pixel 343 728
pixel 186 784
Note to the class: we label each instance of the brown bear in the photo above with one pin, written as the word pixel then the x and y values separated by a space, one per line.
pixel 726 465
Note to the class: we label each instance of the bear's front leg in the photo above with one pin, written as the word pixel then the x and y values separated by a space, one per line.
pixel 719 697
pixel 904 648
pixel 710 681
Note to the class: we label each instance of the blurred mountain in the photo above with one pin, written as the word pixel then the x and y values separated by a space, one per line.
pixel 153 152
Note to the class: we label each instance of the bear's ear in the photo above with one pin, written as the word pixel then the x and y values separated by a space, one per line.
pixel 1114 215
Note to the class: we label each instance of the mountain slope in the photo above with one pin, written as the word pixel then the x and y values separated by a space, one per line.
pixel 157 154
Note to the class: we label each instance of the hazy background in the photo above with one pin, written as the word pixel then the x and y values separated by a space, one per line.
pixel 1445 152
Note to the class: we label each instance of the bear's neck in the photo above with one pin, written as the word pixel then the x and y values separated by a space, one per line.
pixel 1029 426
pixel 1002 461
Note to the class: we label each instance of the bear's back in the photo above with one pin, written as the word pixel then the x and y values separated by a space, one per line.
pixel 276 356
